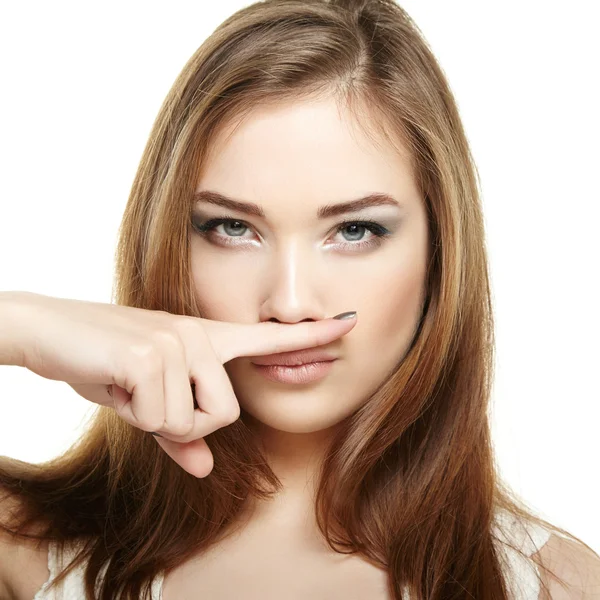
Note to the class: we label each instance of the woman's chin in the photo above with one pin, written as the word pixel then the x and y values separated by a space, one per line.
pixel 294 416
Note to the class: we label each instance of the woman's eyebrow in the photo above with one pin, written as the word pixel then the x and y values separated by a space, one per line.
pixel 324 212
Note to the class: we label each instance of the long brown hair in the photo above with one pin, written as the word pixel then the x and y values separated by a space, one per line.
pixel 410 482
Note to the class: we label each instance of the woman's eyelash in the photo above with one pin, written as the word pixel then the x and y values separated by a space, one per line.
pixel 378 231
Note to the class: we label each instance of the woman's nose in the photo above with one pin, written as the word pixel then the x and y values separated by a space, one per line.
pixel 294 289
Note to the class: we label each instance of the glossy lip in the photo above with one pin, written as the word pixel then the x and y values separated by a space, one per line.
pixel 297 374
pixel 294 358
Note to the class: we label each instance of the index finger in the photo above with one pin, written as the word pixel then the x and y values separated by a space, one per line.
pixel 230 340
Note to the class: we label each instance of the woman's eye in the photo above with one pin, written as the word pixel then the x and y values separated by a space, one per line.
pixel 234 228
pixel 354 230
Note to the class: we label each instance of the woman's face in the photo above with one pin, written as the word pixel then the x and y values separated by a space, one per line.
pixel 290 265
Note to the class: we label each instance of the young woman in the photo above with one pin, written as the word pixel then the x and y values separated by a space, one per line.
pixel 309 161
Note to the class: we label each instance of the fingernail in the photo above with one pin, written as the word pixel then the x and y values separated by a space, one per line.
pixel 346 315
pixel 155 434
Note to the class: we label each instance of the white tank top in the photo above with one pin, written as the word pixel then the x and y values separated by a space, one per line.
pixel 522 571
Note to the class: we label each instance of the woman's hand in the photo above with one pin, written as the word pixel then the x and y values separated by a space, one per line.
pixel 148 359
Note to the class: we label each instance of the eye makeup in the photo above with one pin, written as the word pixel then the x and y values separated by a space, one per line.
pixel 207 229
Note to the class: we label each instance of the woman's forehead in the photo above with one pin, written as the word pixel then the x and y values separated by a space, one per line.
pixel 308 147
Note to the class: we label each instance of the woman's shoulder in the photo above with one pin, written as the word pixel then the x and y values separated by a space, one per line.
pixel 59 556
pixel 533 552
pixel 32 572
pixel 573 563
pixel 23 562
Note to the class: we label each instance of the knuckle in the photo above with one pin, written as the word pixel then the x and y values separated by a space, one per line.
pixel 153 427
pixel 193 334
pixel 145 353
pixel 232 415
pixel 185 323
pixel 147 424
pixel 166 339
pixel 179 429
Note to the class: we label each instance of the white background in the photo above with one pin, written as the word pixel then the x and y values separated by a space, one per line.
pixel 81 84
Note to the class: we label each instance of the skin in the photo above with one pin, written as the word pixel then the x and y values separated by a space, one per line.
pixel 291 266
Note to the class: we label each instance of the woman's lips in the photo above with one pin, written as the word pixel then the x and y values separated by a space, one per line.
pixel 305 373
pixel 296 357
